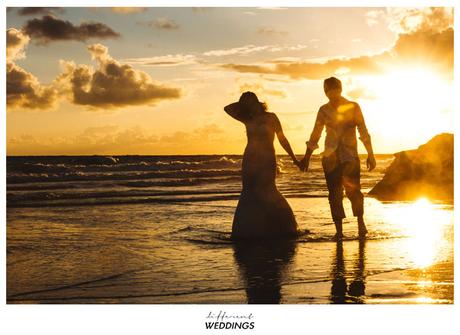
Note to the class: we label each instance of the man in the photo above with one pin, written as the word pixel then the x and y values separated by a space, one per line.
pixel 340 158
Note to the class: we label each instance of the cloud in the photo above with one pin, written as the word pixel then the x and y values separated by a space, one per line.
pixel 271 31
pixel 309 70
pixel 248 49
pixel 128 10
pixel 93 131
pixel 25 11
pixel 408 20
pixel 374 17
pixel 112 84
pixel 205 133
pixel 162 23
pixel 111 140
pixel 166 60
pixel 360 93
pixel 262 91
pixel 16 42
pixel 435 49
pixel 49 28
pixel 430 44
pixel 244 50
pixel 23 90
pixel 89 141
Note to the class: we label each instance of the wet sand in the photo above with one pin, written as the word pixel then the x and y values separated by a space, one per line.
pixel 180 253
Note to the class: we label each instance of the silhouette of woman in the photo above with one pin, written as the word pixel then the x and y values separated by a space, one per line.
pixel 262 211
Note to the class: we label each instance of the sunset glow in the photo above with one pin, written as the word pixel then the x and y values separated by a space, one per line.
pixel 154 81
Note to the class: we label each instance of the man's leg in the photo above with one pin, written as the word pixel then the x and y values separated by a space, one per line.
pixel 352 184
pixel 333 173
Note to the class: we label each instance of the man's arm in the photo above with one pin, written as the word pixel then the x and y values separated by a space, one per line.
pixel 365 138
pixel 312 143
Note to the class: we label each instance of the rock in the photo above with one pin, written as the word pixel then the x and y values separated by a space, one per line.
pixel 425 172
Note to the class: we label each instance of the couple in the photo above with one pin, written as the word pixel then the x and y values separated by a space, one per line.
pixel 262 211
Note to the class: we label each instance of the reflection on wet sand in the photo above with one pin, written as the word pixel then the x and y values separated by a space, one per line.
pixel 341 292
pixel 424 223
pixel 263 267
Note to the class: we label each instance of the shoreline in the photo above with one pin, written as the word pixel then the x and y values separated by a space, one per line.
pixel 398 286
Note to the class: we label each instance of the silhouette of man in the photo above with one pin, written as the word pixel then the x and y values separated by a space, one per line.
pixel 340 158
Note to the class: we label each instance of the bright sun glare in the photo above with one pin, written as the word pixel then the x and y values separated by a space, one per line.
pixel 408 103
pixel 422 223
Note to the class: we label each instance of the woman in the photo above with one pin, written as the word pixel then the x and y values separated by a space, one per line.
pixel 262 211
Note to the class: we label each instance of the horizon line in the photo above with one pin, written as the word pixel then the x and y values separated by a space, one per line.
pixel 165 155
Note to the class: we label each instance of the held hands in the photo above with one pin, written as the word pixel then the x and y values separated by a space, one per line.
pixel 370 162
pixel 303 164
pixel 296 162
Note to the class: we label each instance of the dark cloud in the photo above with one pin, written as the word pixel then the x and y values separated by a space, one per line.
pixel 113 84
pixel 162 23
pixel 23 90
pixel 26 11
pixel 49 28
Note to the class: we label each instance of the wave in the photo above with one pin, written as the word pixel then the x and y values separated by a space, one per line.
pixel 114 164
pixel 55 202
pixel 209 237
pixel 118 197
pixel 91 184
pixel 81 176
pixel 19 197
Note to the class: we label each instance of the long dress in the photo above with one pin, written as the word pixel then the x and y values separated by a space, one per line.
pixel 262 211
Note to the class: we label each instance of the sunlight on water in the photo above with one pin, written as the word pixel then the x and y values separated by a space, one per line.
pixel 423 223
pixel 160 233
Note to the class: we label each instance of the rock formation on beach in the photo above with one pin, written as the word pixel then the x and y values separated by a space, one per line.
pixel 424 172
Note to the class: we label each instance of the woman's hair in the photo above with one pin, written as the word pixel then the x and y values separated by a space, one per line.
pixel 264 106
pixel 249 98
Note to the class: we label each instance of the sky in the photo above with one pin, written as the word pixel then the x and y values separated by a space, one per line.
pixel 120 80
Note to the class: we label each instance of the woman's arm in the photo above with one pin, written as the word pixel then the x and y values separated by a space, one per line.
pixel 283 140
pixel 234 111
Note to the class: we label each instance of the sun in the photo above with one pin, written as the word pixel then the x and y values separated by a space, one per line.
pixel 407 105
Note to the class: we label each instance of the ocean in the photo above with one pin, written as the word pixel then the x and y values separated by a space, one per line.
pixel 156 229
